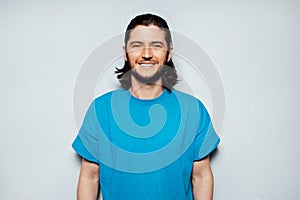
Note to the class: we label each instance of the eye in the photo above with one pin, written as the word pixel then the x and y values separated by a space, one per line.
pixel 135 45
pixel 157 45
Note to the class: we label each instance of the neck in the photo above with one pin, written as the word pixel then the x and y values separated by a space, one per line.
pixel 146 91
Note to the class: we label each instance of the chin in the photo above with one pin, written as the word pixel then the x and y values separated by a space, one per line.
pixel 147 79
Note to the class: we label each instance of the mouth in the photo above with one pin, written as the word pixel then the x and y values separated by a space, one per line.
pixel 147 63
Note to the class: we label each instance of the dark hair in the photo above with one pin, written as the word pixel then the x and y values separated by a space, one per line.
pixel 169 74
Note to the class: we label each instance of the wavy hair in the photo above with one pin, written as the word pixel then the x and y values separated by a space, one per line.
pixel 169 74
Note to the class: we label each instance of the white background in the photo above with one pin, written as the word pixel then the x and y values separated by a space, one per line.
pixel 254 45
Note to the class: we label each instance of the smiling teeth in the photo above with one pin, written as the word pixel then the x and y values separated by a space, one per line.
pixel 147 65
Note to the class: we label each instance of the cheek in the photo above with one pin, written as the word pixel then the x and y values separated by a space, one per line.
pixel 160 55
pixel 132 56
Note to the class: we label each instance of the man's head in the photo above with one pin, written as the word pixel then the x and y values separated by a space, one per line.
pixel 147 52
pixel 147 20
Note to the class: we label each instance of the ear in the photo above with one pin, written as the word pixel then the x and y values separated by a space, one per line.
pixel 124 53
pixel 170 54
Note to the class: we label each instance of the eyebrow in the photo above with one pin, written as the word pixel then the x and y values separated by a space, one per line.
pixel 159 42
pixel 153 42
pixel 135 42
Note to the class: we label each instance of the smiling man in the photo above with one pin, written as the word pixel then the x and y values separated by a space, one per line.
pixel 159 145
pixel 147 51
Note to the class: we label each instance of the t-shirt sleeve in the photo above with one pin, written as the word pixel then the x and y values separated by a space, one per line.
pixel 206 139
pixel 86 142
pixel 80 149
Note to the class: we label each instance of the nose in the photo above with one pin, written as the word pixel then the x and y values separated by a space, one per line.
pixel 147 53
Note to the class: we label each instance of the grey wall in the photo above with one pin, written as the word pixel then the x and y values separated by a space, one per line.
pixel 254 45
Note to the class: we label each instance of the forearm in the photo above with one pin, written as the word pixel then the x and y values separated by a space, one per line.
pixel 88 188
pixel 203 187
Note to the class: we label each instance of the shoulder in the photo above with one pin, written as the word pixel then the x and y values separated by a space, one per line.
pixel 185 96
pixel 106 97
pixel 189 99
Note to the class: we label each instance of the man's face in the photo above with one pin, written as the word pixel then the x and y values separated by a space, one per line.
pixel 147 52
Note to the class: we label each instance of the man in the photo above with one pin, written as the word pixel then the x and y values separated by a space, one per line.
pixel 159 139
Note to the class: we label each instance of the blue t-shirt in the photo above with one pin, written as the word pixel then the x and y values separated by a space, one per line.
pixel 146 148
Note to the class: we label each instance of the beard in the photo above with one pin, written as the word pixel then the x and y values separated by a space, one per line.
pixel 148 79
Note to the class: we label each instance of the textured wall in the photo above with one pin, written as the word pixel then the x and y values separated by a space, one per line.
pixel 254 46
